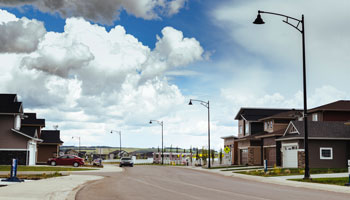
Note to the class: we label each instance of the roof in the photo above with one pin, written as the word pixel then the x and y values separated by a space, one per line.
pixel 254 114
pixel 229 137
pixel 251 137
pixel 341 105
pixel 28 130
pixel 9 104
pixel 25 135
pixel 272 134
pixel 320 130
pixel 51 137
pixel 30 119
pixel 291 114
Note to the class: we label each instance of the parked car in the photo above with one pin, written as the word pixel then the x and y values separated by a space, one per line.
pixel 126 161
pixel 66 160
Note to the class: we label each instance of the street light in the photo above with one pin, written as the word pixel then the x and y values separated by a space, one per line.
pixel 205 104
pixel 120 140
pixel 160 123
pixel 301 29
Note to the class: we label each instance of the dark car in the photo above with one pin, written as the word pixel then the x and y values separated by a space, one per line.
pixel 126 161
pixel 66 160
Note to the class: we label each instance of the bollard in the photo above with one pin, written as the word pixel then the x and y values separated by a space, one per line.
pixel 13 177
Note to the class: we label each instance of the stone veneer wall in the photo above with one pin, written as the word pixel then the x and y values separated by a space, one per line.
pixel 301 159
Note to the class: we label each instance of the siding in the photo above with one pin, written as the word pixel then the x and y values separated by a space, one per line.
pixel 339 154
pixel 9 139
pixel 45 152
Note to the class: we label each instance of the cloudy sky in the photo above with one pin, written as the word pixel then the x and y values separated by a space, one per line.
pixel 95 66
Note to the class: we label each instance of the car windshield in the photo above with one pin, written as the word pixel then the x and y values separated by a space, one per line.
pixel 126 158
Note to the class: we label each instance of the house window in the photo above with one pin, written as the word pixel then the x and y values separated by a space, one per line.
pixel 270 124
pixel 326 153
pixel 315 117
pixel 293 130
pixel 240 129
pixel 265 125
pixel 247 128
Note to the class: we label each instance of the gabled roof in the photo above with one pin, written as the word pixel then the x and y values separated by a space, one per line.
pixel 30 119
pixel 272 134
pixel 341 105
pixel 291 114
pixel 319 130
pixel 25 135
pixel 9 104
pixel 30 131
pixel 254 114
pixel 50 137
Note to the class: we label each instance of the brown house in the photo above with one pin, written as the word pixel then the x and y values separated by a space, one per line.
pixel 16 141
pixel 335 111
pixel 250 148
pixel 329 144
pixel 50 146
pixel 230 142
pixel 275 126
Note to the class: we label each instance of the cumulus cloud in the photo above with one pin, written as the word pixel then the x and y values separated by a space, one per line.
pixel 105 12
pixel 19 35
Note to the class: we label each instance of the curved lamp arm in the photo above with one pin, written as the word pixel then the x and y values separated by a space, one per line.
pixel 300 29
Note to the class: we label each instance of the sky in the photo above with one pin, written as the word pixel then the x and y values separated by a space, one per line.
pixel 95 66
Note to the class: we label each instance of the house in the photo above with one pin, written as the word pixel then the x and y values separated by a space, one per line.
pixel 274 127
pixel 329 144
pixel 71 152
pixel 231 142
pixel 335 111
pixel 249 126
pixel 117 154
pixel 50 145
pixel 16 141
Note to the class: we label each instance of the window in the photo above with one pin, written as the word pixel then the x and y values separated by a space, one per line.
pixel 240 129
pixel 247 128
pixel 265 125
pixel 315 117
pixel 326 153
pixel 270 124
pixel 293 130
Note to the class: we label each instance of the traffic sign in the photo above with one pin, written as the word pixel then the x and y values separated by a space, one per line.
pixel 227 149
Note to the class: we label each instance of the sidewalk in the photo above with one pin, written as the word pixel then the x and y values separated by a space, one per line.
pixel 64 187
pixel 282 180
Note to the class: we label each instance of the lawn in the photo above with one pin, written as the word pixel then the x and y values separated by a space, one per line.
pixel 42 168
pixel 292 171
pixel 227 167
pixel 333 181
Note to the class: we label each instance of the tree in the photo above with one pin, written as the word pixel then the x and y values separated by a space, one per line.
pixel 212 156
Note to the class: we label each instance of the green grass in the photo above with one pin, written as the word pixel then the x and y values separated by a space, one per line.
pixel 332 181
pixel 42 168
pixel 235 169
pixel 292 171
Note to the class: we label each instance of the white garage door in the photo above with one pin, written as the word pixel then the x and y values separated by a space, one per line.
pixel 290 156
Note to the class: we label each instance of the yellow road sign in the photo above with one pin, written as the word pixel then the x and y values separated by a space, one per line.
pixel 227 149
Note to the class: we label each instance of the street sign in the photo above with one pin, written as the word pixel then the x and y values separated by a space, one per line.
pixel 227 149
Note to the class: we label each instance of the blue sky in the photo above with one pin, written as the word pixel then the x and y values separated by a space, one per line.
pixel 89 80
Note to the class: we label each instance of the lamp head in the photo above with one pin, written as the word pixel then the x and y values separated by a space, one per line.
pixel 258 20
pixel 111 131
pixel 150 122
pixel 190 103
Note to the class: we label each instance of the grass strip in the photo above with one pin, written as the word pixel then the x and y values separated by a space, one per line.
pixel 34 176
pixel 292 171
pixel 331 181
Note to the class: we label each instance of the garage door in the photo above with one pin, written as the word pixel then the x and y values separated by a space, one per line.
pixel 244 156
pixel 290 156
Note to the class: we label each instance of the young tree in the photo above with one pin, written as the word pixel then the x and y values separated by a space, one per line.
pixel 212 156
pixel 220 156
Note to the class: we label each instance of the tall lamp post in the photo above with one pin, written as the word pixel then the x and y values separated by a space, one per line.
pixel 301 29
pixel 161 124
pixel 120 140
pixel 205 104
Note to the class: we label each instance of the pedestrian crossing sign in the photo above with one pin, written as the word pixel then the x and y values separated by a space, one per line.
pixel 227 149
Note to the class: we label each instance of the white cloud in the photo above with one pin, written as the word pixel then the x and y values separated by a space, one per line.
pixel 105 12
pixel 19 35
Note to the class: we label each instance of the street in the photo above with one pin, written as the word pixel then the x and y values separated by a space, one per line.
pixel 173 183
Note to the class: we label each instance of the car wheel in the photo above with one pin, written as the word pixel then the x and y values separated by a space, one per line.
pixel 53 163
pixel 76 164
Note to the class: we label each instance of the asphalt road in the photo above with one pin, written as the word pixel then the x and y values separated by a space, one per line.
pixel 173 183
